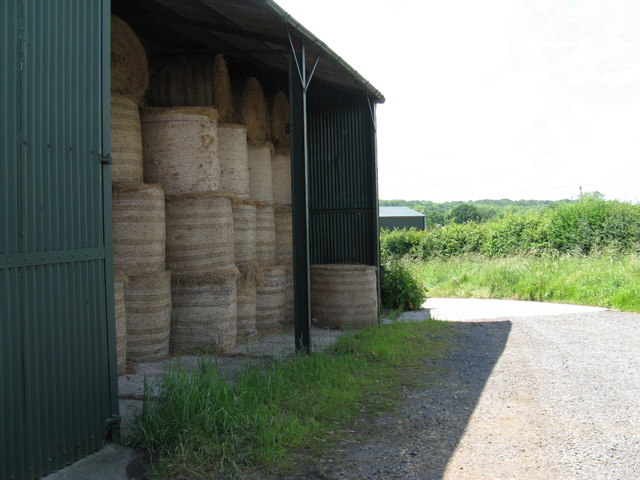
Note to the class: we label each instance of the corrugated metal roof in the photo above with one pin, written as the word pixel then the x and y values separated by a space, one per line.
pixel 399 212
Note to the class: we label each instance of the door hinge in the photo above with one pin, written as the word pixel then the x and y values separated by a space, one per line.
pixel 106 159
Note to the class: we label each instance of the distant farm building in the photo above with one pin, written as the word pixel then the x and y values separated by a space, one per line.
pixel 394 218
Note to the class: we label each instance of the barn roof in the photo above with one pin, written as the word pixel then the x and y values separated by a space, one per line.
pixel 399 212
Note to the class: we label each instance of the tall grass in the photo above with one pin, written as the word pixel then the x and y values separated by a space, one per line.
pixel 607 279
pixel 197 424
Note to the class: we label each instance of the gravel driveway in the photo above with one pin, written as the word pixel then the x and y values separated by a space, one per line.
pixel 536 392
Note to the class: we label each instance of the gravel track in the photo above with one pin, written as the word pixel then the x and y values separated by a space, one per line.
pixel 519 397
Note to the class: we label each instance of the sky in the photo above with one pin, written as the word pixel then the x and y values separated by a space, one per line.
pixel 519 99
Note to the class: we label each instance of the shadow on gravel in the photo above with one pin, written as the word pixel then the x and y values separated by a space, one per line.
pixel 417 441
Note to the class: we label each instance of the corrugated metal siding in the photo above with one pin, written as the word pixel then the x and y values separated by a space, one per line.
pixel 53 306
pixel 343 200
pixel 395 223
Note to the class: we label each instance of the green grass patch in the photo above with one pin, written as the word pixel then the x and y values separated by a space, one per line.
pixel 609 280
pixel 199 424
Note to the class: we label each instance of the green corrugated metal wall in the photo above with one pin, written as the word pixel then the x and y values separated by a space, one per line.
pixel 397 223
pixel 57 389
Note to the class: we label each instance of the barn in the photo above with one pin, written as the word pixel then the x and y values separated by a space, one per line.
pixel 58 360
pixel 395 218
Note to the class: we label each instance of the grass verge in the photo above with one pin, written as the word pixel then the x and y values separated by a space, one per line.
pixel 606 280
pixel 198 424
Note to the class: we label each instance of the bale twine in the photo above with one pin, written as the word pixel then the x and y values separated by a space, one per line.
pixel 148 305
pixel 344 296
pixel 284 234
pixel 205 315
pixel 288 310
pixel 126 140
pixel 244 231
pixel 234 159
pixel 138 229
pixel 281 176
pixel 280 114
pixel 251 110
pixel 246 311
pixel 260 172
pixel 121 323
pixel 200 235
pixel 180 149
pixel 129 69
pixel 265 234
pixel 270 299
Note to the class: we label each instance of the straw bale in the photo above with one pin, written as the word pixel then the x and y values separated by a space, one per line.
pixel 200 235
pixel 280 114
pixel 260 172
pixel 244 227
pixel 204 316
pixel 251 108
pixel 139 234
pixel 284 234
pixel 126 140
pixel 246 311
pixel 234 159
pixel 197 80
pixel 281 176
pixel 265 235
pixel 250 273
pixel 288 313
pixel 270 300
pixel 180 149
pixel 121 323
pixel 148 305
pixel 129 69
pixel 344 296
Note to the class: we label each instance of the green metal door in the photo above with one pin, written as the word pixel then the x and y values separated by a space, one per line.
pixel 57 372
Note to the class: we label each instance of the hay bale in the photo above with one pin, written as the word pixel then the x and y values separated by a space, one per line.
pixel 244 228
pixel 148 305
pixel 260 172
pixel 234 159
pixel 246 311
pixel 251 110
pixel 280 118
pixel 265 234
pixel 205 314
pixel 344 296
pixel 270 300
pixel 284 234
pixel 180 149
pixel 121 322
pixel 281 176
pixel 138 229
pixel 126 141
pixel 200 235
pixel 288 313
pixel 129 69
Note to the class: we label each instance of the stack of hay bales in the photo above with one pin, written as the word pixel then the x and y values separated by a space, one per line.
pixel 281 177
pixel 182 146
pixel 138 213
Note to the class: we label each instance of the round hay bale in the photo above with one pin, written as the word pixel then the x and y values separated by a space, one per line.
pixel 121 323
pixel 281 176
pixel 180 149
pixel 265 234
pixel 280 114
pixel 129 69
pixel 148 305
pixel 246 311
pixel 344 296
pixel 234 159
pixel 288 310
pixel 205 314
pixel 251 110
pixel 244 231
pixel 200 235
pixel 270 300
pixel 197 80
pixel 126 141
pixel 139 234
pixel 284 234
pixel 260 172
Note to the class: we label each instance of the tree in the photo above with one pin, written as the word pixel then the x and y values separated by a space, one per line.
pixel 465 212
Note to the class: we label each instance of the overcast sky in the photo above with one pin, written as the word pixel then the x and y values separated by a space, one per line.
pixel 495 99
